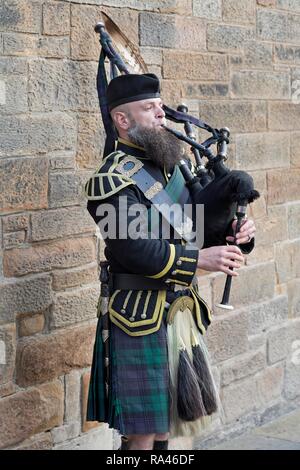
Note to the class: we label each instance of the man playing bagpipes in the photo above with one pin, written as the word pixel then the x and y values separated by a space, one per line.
pixel 151 372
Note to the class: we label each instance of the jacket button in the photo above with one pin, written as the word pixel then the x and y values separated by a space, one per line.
pixel 174 272
pixel 179 262
pixel 143 316
pixel 123 310
pixel 131 319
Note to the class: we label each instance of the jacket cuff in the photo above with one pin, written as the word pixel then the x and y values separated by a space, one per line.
pixel 184 266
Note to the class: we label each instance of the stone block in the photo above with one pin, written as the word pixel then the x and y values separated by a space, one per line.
pixel 210 9
pixel 291 5
pixel 194 66
pixel 256 151
pixel 29 412
pixel 70 86
pixel 293 290
pixel 172 31
pixel 66 189
pixel 295 149
pixel 59 254
pixel 57 223
pixel 30 324
pixel 194 90
pixel 12 65
pixel 278 26
pixel 45 357
pixel 91 139
pixel 238 116
pixel 239 399
pixel 287 258
pixel 13 223
pixel 266 3
pixel 277 344
pixel 284 53
pixel 264 315
pixel 42 441
pixel 21 15
pixel 7 352
pixel 273 227
pixel 7 389
pixel 284 116
pixel 33 45
pixel 260 85
pixel 24 184
pixel 75 306
pixel 56 18
pixel 24 135
pixel 72 398
pixel 269 385
pixel 242 366
pixel 239 12
pixel 228 38
pixel 12 239
pixel 13 93
pixel 62 160
pixel 65 432
pixel 97 439
pixel 86 425
pixel 227 337
pixel 283 186
pixel 24 296
pixel 152 55
pixel 293 217
pixel 254 283
pixel 74 277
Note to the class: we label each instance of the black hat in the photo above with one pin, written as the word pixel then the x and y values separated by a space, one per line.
pixel 132 87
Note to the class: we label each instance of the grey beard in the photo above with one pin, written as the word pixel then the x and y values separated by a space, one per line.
pixel 163 148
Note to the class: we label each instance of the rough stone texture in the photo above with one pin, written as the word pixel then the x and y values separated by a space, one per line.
pixel 287 260
pixel 48 225
pixel 41 441
pixel 75 277
pixel 75 306
pixel 256 152
pixel 260 85
pixel 29 325
pixel 60 254
pixel 21 15
pixel 97 439
pixel 72 399
pixel 169 31
pixel 33 45
pixel 24 296
pixel 227 337
pixel 295 149
pixel 30 412
pixel 36 134
pixel 195 66
pixel 56 18
pixel 239 12
pixel 293 210
pixel 40 359
pixel 210 9
pixel 293 289
pixel 246 364
pixel 227 38
pixel 25 184
pixel 7 352
pixel 278 26
pixel 91 138
pixel 283 185
pixel 263 316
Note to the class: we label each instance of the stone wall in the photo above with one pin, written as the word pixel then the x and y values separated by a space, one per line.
pixel 235 64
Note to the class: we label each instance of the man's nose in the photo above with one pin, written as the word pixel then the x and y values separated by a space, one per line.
pixel 160 112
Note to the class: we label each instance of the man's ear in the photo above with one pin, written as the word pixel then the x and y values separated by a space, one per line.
pixel 121 120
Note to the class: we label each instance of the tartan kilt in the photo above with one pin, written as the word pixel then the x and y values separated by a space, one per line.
pixel 139 401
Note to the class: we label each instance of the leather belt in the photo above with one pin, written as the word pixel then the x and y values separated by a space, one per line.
pixel 136 282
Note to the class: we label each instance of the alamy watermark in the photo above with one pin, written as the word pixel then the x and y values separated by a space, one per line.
pixel 160 221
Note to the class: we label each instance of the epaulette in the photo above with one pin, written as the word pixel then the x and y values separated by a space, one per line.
pixel 106 181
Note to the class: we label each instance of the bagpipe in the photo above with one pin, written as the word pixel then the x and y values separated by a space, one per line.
pixel 224 193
